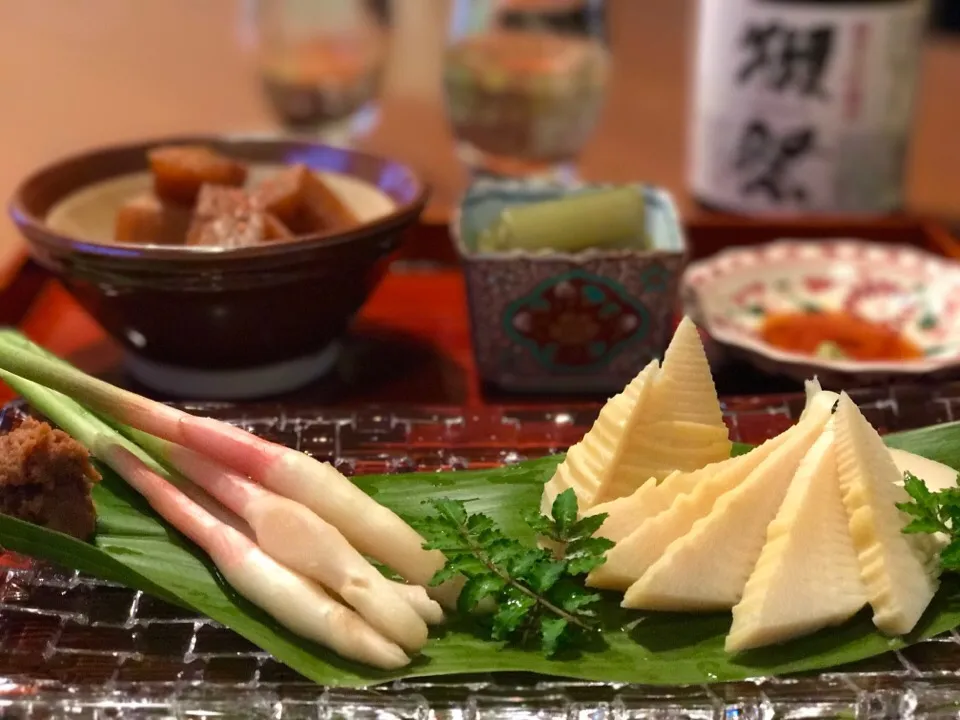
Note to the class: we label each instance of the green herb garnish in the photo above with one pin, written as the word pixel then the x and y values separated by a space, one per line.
pixel 537 594
pixel 934 512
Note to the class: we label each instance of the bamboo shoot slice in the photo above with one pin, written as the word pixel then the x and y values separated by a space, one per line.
pixel 633 555
pixel 624 514
pixel 649 430
pixel 658 459
pixel 899 571
pixel 683 428
pixel 591 461
pixel 707 568
pixel 686 498
pixel 684 389
pixel 808 574
pixel 810 388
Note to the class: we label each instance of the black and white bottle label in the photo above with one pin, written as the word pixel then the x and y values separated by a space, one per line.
pixel 801 108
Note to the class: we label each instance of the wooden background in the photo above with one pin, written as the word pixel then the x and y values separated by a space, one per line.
pixel 78 74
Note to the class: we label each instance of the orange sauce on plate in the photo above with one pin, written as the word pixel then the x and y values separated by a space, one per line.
pixel 854 338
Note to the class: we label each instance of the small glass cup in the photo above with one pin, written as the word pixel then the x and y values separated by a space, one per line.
pixel 524 83
pixel 320 64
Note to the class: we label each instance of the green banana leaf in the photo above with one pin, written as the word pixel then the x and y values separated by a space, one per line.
pixel 135 548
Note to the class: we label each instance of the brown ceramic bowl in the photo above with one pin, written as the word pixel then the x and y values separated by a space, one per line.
pixel 220 324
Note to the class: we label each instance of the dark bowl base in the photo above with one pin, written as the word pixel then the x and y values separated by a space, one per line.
pixel 234 384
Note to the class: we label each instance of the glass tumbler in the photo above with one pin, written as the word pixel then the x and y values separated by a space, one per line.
pixel 524 83
pixel 320 63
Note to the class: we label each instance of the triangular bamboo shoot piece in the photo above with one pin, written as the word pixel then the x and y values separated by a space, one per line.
pixel 649 430
pixel 645 523
pixel 590 462
pixel 898 570
pixel 624 514
pixel 681 426
pixel 707 568
pixel 810 388
pixel 684 390
pixel 808 574
pixel 686 498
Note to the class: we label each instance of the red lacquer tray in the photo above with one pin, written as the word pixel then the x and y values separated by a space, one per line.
pixel 70 645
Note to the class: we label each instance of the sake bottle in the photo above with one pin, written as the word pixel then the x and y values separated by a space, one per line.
pixel 804 106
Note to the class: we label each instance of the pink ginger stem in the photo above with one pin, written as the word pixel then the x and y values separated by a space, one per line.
pixel 295 602
pixel 235 491
pixel 224 544
pixel 235 448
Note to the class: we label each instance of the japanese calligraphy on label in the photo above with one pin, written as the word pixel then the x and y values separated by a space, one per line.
pixel 804 108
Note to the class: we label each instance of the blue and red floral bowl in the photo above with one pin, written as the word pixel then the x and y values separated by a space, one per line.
pixel 583 322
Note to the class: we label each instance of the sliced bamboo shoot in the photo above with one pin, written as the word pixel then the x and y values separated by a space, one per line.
pixel 899 571
pixel 684 390
pixel 680 426
pixel 808 575
pixel 686 498
pixel 936 476
pixel 707 568
pixel 591 462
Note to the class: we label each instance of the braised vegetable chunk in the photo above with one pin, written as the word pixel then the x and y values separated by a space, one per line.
pixel 46 478
pixel 231 218
pixel 145 220
pixel 274 229
pixel 180 171
pixel 303 202
pixel 200 198
pixel 216 201
pixel 226 232
pixel 282 195
pixel 325 210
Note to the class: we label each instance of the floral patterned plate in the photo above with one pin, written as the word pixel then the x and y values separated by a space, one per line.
pixel 911 291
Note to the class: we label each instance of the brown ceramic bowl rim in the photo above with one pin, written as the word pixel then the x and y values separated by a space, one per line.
pixel 37 230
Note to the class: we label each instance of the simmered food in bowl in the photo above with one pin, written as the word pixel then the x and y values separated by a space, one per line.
pixel 202 198
pixel 257 307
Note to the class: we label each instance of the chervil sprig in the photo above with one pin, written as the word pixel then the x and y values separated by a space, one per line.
pixel 934 512
pixel 535 593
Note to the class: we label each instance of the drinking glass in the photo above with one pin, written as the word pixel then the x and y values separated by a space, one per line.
pixel 524 82
pixel 320 63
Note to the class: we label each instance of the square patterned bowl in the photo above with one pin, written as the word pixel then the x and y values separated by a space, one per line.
pixel 567 322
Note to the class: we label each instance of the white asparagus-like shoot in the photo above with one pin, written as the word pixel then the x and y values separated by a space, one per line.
pixel 293 600
pixel 294 536
pixel 371 528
